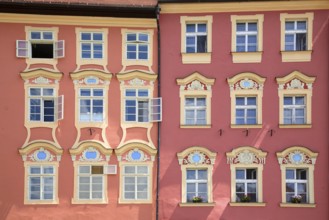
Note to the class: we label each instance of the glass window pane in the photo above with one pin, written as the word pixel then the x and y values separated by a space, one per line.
pixel 191 187
pixel 190 174
pixel 301 174
pixel 202 187
pixel 35 91
pixel 251 174
pixel 84 169
pixel 142 169
pixel 130 92
pixel 85 36
pixel 251 187
pixel 201 44
pixel 143 37
pixel 241 26
pixel 290 25
pixel 131 37
pixel 129 169
pixel 143 93
pixel 251 100
pixel 290 174
pixel 290 187
pixel 301 25
pixel 287 100
pixel 252 27
pixel 35 170
pixel 202 174
pixel 202 28
pixel 239 187
pixel 239 101
pixel 190 28
pixel 299 100
pixel 35 35
pixel 240 174
pixel 98 36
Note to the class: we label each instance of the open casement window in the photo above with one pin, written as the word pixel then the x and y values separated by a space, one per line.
pixel 43 50
pixel 140 107
pixel 295 100
pixel 196 39
pixel 296 37
pixel 195 101
pixel 197 168
pixel 90 161
pixel 246 164
pixel 297 176
pixel 41 161
pixel 246 92
pixel 247 38
pixel 44 106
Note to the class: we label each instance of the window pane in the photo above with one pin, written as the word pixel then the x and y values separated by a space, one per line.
pixel 143 37
pixel 251 101
pixel 131 37
pixel 47 35
pixel 251 112
pixel 290 25
pixel 48 170
pixel 251 174
pixel 239 174
pixel 287 100
pixel 190 187
pixel 252 27
pixel 239 187
pixel 251 187
pixel 35 170
pixel 202 174
pixel 239 100
pixel 98 36
pixel 84 169
pixel 301 188
pixel 202 187
pixel 201 44
pixel 301 174
pixel 142 169
pixel 35 35
pixel 290 187
pixel 241 26
pixel 299 100
pixel 130 92
pixel 190 28
pixel 129 169
pixel 35 91
pixel 190 174
pixel 202 28
pixel 129 180
pixel 143 92
pixel 301 25
pixel 290 174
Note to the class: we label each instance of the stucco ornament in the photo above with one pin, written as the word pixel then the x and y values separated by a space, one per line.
pixel 90 154
pixel 246 157
pixel 297 157
pixel 295 84
pixel 91 80
pixel 195 85
pixel 196 157
pixel 41 155
pixel 136 82
pixel 246 83
pixel 136 155
pixel 41 80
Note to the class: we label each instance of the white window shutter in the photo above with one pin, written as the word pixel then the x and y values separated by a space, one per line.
pixel 60 108
pixel 156 109
pixel 110 169
pixel 22 48
pixel 59 49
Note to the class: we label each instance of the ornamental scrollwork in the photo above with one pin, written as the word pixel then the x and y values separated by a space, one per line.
pixel 136 82
pixel 246 157
pixel 136 155
pixel 91 154
pixel 42 155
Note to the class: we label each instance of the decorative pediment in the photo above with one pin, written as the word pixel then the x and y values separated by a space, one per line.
pixel 136 76
pixel 297 155
pixel 195 82
pixel 91 151
pixel 91 77
pixel 135 152
pixel 41 77
pixel 196 156
pixel 246 81
pixel 295 80
pixel 41 151
pixel 246 155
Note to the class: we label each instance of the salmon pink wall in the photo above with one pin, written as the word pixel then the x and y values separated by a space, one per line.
pixel 175 139
pixel 13 133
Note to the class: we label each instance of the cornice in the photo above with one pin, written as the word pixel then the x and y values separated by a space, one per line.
pixel 172 8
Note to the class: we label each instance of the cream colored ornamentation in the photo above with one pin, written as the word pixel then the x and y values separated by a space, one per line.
pixel 41 155
pixel 42 80
pixel 295 84
pixel 136 155
pixel 136 82
pixel 91 154
pixel 195 85
pixel 197 157
pixel 91 80
pixel 246 155
pixel 247 84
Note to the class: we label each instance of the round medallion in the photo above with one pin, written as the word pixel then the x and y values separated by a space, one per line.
pixel 91 155
pixel 196 158
pixel 296 157
pixel 41 155
pixel 246 83
pixel 136 155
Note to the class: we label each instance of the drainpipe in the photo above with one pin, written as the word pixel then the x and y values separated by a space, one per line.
pixel 159 123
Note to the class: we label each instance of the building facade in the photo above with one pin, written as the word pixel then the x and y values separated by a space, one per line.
pixel 80 110
pixel 247 84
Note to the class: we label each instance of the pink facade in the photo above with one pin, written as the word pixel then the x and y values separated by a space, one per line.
pixel 220 135
pixel 33 143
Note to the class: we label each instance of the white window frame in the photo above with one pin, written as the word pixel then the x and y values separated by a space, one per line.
pixel 246 107
pixel 246 34
pixel 245 182
pixel 136 177
pixel 202 57
pixel 137 43
pixel 293 107
pixel 195 108
pixel 294 33
pixel 92 42
pixel 296 181
pixel 92 98
pixel 195 35
pixel 294 55
pixel 91 177
pixel 42 176
pixel 197 181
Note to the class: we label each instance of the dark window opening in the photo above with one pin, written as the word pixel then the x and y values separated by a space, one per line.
pixel 44 51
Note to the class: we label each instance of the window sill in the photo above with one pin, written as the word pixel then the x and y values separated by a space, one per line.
pixel 296 56
pixel 256 204
pixel 38 124
pixel 247 57
pixel 135 202
pixel 295 126
pixel 201 204
pixel 195 126
pixel 246 126
pixel 297 205
pixel 197 58
pixel 136 124
pixel 74 201
pixel 82 124
pixel 41 202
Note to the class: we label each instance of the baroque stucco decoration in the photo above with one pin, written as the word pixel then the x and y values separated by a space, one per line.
pixel 246 155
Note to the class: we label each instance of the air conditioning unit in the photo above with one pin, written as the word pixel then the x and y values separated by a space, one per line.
pixel 110 169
